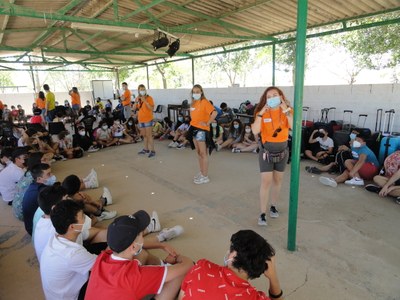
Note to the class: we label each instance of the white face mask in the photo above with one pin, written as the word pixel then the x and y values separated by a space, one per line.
pixel 82 133
pixel 104 127
pixel 196 96
pixel 76 230
pixel 142 93
pixel 226 259
pixel 141 248
pixel 248 130
pixel 356 144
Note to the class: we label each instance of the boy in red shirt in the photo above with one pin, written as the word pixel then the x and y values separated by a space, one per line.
pixel 249 257
pixel 127 272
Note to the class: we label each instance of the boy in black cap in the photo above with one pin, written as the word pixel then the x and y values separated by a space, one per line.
pixel 123 273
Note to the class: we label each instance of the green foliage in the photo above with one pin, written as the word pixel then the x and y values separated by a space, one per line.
pixel 5 79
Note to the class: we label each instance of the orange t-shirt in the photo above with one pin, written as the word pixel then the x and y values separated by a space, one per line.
pixel 145 114
pixel 200 111
pixel 272 120
pixel 41 103
pixel 1 105
pixel 127 97
pixel 75 99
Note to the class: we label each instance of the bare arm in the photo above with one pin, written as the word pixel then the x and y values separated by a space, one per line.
pixel 180 268
pixel 312 140
pixel 274 285
pixel 358 165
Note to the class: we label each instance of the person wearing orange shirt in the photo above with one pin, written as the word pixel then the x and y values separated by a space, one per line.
pixel 41 102
pixel 126 101
pixel 273 117
pixel 202 113
pixel 144 104
pixel 75 100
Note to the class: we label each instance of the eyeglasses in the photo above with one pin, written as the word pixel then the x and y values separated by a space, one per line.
pixel 279 129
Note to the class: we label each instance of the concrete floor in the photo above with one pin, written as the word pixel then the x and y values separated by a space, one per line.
pixel 348 239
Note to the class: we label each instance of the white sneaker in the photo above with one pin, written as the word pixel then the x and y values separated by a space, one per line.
pixel 154 225
pixel 328 181
pixel 107 195
pixel 92 182
pixel 218 147
pixel 88 176
pixel 355 181
pixel 197 176
pixel 106 215
pixel 181 146
pixel 262 220
pixel 93 149
pixel 273 212
pixel 170 233
pixel 201 179
pixel 173 144
pixel 235 150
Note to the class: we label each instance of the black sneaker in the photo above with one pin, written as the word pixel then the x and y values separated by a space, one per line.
pixel 373 188
pixel 313 170
pixel 273 212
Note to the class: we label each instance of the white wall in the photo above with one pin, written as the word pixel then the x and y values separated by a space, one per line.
pixel 362 99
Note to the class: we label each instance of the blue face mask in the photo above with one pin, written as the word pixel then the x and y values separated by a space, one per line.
pixel 236 126
pixel 353 136
pixel 196 96
pixel 51 180
pixel 274 102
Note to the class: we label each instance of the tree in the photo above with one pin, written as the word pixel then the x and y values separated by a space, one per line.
pixel 5 80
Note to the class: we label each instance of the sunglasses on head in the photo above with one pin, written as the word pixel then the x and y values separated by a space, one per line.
pixel 276 132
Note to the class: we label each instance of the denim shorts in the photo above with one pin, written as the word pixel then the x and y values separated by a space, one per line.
pixel 200 136
pixel 146 125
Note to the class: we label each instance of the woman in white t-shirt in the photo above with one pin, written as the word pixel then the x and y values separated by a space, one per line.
pixel 323 145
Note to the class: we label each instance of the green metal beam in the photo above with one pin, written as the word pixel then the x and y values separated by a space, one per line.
pixel 149 15
pixel 298 110
pixel 142 8
pixel 115 7
pixel 75 32
pixel 225 25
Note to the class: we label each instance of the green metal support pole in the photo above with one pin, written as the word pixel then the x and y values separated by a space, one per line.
pixel 193 72
pixel 273 64
pixel 148 79
pixel 33 78
pixel 298 104
pixel 117 79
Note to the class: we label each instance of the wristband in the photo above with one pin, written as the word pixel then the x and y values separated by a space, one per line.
pixel 259 115
pixel 275 296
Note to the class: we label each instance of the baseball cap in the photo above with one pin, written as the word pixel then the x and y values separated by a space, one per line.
pixel 124 230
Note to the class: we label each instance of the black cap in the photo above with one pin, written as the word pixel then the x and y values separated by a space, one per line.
pixel 124 230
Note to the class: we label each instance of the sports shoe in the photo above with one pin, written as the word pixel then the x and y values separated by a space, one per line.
pixel 91 181
pixel 201 179
pixel 107 195
pixel 218 146
pixel 106 215
pixel 154 225
pixel 313 170
pixel 235 150
pixel 197 176
pixel 93 149
pixel 143 151
pixel 173 144
pixel 328 181
pixel 397 200
pixel 354 181
pixel 255 150
pixel 170 233
pixel 152 154
pixel 181 146
pixel 273 212
pixel 373 188
pixel 262 220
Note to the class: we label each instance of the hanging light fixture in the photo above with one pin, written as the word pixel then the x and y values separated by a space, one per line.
pixel 162 41
pixel 173 48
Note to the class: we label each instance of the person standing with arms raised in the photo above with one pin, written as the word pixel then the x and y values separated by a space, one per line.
pixel 273 117
pixel 126 101
pixel 144 104
pixel 202 114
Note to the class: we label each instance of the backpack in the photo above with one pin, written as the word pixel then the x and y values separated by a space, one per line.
pixel 392 164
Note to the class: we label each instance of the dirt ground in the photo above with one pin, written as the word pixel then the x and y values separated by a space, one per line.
pixel 348 243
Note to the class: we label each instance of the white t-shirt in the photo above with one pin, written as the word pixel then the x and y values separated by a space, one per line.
pixel 8 181
pixel 43 230
pixel 64 268
pixel 328 143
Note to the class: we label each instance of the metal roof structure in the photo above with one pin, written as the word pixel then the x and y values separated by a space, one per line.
pixel 116 33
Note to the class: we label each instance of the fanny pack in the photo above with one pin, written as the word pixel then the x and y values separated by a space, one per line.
pixel 274 157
